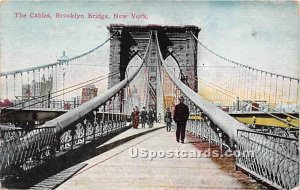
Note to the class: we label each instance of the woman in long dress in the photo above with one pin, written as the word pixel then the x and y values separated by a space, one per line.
pixel 136 118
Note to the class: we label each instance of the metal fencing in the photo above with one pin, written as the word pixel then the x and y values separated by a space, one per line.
pixel 273 159
pixel 22 149
pixel 89 130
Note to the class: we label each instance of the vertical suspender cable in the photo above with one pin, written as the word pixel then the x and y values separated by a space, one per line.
pixel 297 96
pixel 6 86
pixel 242 82
pixel 52 75
pixel 248 83
pixel 265 86
pixel 239 81
pixel 276 90
pixel 15 85
pixel 29 90
pixel 289 97
pixel 282 86
pixel 22 85
pixel 270 90
pixel 251 86
pixel 256 86
pixel 56 81
pixel 260 81
pixel 39 88
pixel 236 72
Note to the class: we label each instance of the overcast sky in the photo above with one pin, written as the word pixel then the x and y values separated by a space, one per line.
pixel 264 35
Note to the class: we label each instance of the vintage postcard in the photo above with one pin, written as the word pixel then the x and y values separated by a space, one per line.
pixel 149 95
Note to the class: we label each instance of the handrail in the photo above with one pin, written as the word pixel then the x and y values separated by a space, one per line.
pixel 225 122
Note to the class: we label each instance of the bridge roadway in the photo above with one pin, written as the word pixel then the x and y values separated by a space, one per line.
pixel 116 169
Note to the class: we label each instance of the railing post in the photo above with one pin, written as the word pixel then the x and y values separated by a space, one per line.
pixel 119 108
pixel 108 117
pixel 113 114
pixel 103 120
pixel 72 137
pixel 84 132
pixel 94 125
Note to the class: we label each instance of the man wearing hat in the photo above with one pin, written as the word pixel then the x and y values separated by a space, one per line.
pixel 181 115
pixel 143 116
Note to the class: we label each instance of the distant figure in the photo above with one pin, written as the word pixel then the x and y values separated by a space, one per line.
pixel 159 118
pixel 181 115
pixel 168 119
pixel 155 116
pixel 143 116
pixel 136 118
pixel 151 117
pixel 132 116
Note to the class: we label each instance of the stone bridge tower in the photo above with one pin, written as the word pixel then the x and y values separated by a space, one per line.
pixel 175 41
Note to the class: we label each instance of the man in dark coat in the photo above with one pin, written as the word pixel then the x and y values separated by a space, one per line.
pixel 143 116
pixel 151 117
pixel 181 115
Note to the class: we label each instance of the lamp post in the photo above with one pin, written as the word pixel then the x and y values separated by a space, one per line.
pixel 63 60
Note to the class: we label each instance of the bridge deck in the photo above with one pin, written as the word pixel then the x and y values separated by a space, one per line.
pixel 116 169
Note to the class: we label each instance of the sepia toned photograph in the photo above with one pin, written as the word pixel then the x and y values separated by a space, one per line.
pixel 140 95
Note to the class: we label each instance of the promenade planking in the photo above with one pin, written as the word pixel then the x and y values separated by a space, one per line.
pixel 116 169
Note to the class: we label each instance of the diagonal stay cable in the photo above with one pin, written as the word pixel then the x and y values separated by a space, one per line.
pixel 56 95
pixel 276 117
pixel 39 97
pixel 234 95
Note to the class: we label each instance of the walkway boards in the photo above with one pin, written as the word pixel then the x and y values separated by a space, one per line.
pixel 55 180
pixel 116 169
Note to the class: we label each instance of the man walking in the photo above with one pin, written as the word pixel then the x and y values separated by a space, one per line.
pixel 151 117
pixel 181 115
pixel 168 119
pixel 143 116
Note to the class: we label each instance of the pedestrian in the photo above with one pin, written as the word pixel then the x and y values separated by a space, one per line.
pixel 168 119
pixel 181 115
pixel 151 118
pixel 155 116
pixel 159 118
pixel 143 117
pixel 136 118
pixel 132 117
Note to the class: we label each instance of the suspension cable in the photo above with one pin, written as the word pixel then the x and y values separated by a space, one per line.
pixel 57 95
pixel 276 117
pixel 56 63
pixel 234 62
pixel 88 81
pixel 216 86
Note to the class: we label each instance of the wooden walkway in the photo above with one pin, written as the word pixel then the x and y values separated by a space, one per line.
pixel 117 169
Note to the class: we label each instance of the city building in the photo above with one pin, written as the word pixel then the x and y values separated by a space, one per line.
pixel 88 92
pixel 40 91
